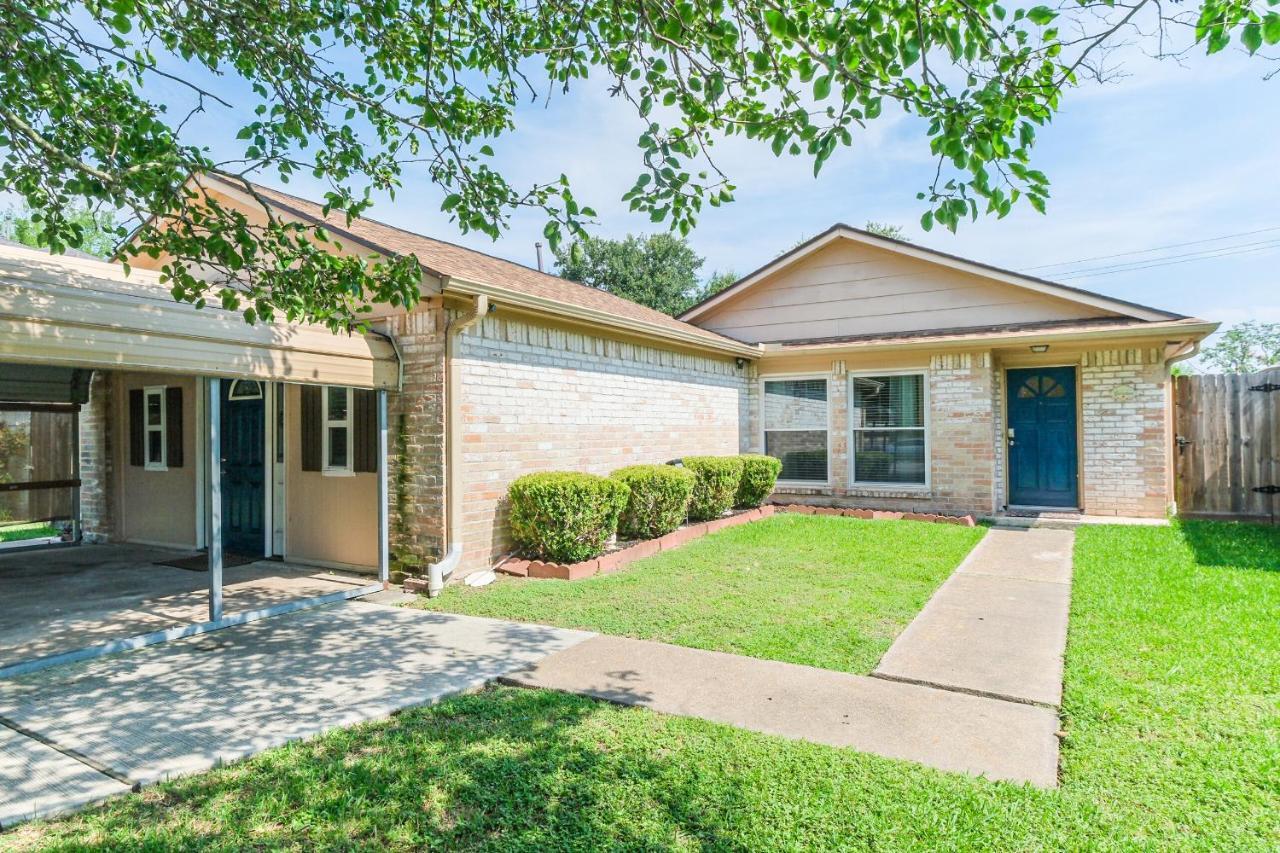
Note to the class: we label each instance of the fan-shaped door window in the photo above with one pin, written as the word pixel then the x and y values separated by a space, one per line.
pixel 245 389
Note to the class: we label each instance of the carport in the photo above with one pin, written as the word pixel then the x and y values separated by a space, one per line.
pixel 194 422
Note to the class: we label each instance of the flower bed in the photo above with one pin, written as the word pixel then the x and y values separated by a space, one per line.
pixel 615 560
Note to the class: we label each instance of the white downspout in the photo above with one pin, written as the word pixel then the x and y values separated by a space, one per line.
pixel 438 572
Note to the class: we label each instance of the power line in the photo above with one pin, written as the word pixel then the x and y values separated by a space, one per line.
pixel 1213 252
pixel 1167 263
pixel 1156 248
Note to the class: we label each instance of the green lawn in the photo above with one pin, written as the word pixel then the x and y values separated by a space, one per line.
pixel 817 590
pixel 1173 742
pixel 28 530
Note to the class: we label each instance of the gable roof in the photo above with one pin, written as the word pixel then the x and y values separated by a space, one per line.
pixel 858 235
pixel 451 262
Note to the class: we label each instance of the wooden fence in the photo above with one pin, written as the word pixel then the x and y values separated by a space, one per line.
pixel 1228 446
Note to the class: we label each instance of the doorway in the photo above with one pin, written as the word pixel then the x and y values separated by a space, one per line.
pixel 1041 437
pixel 244 471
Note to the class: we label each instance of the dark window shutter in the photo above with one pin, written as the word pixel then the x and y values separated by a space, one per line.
pixel 312 427
pixel 137 455
pixel 364 428
pixel 173 426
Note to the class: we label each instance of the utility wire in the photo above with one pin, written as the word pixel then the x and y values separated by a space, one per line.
pixel 1156 248
pixel 1167 263
pixel 1212 252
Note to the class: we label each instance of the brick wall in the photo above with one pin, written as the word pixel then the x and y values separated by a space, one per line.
pixel 96 474
pixel 538 399
pixel 1124 408
pixel 416 469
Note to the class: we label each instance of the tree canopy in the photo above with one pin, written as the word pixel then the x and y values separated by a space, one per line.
pixel 1245 348
pixel 96 234
pixel 356 93
pixel 658 270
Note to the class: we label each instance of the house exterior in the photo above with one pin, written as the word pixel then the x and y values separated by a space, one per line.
pixel 952 386
pixel 884 375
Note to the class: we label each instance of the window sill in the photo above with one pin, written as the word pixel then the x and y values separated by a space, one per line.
pixel 337 472
pixel 157 468
pixel 887 491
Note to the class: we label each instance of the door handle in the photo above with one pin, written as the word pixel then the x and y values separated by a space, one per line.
pixel 1010 431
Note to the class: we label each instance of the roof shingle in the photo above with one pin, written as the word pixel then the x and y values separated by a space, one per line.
pixel 449 259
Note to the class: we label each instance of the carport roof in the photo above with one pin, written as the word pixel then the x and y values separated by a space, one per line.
pixel 86 313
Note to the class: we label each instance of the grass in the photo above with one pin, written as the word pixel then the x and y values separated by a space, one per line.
pixel 1173 680
pixel 827 592
pixel 28 530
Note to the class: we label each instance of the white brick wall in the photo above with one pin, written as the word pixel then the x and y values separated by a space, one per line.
pixel 542 399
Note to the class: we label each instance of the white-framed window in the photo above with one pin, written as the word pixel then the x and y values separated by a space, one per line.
pixel 794 417
pixel 337 430
pixel 155 432
pixel 888 419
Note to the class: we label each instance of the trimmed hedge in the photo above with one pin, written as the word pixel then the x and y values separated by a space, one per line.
pixel 715 485
pixel 759 476
pixel 565 516
pixel 659 500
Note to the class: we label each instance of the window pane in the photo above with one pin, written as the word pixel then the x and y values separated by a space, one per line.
pixel 155 403
pixel 803 453
pixel 889 456
pixel 337 447
pixel 337 404
pixel 155 446
pixel 795 404
pixel 888 401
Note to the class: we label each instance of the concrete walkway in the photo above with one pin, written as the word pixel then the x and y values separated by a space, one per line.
pixel 998 626
pixel 71 735
pixel 942 729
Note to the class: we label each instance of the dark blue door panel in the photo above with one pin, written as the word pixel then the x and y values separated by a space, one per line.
pixel 243 468
pixel 1042 443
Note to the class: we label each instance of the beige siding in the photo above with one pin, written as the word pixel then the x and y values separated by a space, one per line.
pixel 848 288
pixel 329 520
pixel 156 506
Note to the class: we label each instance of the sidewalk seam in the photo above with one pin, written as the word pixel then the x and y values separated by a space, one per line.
pixel 968 691
pixel 74 755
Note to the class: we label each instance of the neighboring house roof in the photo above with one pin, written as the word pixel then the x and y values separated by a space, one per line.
pixel 842 231
pixel 464 266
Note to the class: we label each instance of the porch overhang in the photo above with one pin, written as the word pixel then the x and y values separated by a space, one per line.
pixel 89 314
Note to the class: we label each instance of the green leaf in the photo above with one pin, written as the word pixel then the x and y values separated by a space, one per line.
pixel 1251 37
pixel 776 22
pixel 1041 15
pixel 822 87
pixel 1271 28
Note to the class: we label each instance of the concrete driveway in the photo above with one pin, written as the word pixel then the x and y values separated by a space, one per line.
pixel 71 735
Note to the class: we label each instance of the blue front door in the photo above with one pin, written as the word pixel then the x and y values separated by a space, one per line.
pixel 243 468
pixel 1042 437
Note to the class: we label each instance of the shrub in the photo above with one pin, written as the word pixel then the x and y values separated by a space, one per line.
pixel 659 500
pixel 759 476
pixel 715 485
pixel 563 516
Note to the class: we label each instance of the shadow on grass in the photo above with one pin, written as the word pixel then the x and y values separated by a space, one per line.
pixel 1233 544
pixel 503 768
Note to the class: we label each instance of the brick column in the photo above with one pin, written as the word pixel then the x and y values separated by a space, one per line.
pixel 1124 410
pixel 416 470
pixel 962 431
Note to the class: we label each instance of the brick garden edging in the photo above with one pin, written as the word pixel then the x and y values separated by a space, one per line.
pixel 609 563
